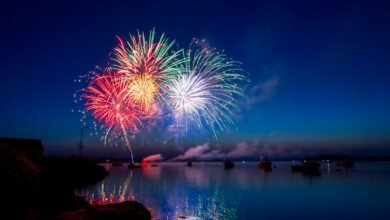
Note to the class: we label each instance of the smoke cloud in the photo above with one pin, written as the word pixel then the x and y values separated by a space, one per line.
pixel 205 152
pixel 263 91
pixel 153 158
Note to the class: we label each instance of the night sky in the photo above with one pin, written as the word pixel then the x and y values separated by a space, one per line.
pixel 319 70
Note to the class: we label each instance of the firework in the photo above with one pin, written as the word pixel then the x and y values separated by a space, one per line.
pixel 148 80
pixel 143 90
pixel 107 101
pixel 204 92
pixel 147 65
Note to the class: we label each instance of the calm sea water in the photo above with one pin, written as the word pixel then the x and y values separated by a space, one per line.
pixel 207 191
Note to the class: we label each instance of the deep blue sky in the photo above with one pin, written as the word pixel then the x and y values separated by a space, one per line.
pixel 320 70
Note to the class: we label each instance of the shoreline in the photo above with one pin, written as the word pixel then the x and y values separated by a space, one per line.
pixel 40 187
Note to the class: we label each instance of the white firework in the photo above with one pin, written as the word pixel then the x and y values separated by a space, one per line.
pixel 204 92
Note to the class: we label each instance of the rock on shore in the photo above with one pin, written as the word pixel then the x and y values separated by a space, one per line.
pixel 118 211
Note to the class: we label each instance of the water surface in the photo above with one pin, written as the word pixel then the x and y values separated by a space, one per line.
pixel 207 191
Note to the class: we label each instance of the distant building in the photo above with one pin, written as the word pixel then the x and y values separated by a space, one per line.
pixel 30 148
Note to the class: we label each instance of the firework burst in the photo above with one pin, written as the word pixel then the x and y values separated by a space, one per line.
pixel 147 65
pixel 143 90
pixel 107 101
pixel 204 92
pixel 148 80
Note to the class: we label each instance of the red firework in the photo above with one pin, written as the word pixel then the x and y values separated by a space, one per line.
pixel 107 101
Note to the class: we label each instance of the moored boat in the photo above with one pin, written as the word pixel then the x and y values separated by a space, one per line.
pixel 345 163
pixel 296 167
pixel 116 164
pixel 228 164
pixel 132 166
pixel 310 167
pixel 264 163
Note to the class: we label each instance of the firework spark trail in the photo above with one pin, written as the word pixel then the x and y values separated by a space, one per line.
pixel 148 65
pixel 106 99
pixel 205 90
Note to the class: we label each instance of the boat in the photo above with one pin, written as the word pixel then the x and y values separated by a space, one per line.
pixel 189 164
pixel 345 163
pixel 228 164
pixel 154 165
pixel 310 167
pixel 116 164
pixel 132 166
pixel 296 167
pixel 265 164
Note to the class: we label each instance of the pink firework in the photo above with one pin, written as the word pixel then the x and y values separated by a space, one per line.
pixel 107 101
